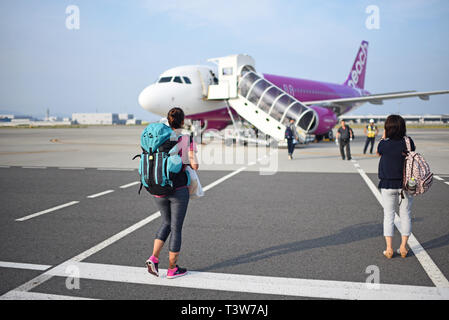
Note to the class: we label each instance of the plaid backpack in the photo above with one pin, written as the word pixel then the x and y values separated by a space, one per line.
pixel 417 177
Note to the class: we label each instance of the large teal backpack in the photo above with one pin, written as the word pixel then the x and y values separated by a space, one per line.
pixel 159 160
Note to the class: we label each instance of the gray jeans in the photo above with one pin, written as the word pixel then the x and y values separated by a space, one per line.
pixel 390 201
pixel 173 210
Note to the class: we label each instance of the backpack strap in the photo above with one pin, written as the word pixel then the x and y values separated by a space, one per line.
pixel 408 144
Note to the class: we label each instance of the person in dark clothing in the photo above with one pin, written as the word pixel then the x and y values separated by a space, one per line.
pixel 392 148
pixel 344 136
pixel 292 138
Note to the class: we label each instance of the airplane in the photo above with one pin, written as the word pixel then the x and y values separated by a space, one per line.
pixel 215 96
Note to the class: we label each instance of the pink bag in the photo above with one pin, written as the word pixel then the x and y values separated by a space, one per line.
pixel 417 176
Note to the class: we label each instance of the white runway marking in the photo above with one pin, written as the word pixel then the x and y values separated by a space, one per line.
pixel 47 211
pixel 438 178
pixel 231 282
pixel 23 295
pixel 99 194
pixel 423 257
pixel 5 167
pixel 226 177
pixel 27 266
pixel 71 168
pixel 254 284
pixel 447 183
pixel 84 255
pixel 129 185
pixel 33 167
pixel 115 169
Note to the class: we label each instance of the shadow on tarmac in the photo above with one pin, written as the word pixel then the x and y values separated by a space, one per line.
pixel 344 236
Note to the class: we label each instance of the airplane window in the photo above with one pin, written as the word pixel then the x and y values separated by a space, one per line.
pixel 227 71
pixel 187 80
pixel 165 79
pixel 177 79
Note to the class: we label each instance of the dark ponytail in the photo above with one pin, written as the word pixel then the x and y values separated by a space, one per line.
pixel 175 118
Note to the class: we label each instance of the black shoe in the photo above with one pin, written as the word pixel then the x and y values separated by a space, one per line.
pixel 176 272
pixel 349 159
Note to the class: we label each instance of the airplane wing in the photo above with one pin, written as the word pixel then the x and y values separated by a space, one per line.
pixel 376 98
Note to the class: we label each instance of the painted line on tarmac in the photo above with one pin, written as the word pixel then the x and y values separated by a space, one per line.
pixel 255 284
pixel 47 211
pixel 429 266
pixel 27 286
pixel 33 167
pixel 129 185
pixel 71 168
pixel 226 177
pixel 96 195
pixel 438 178
pixel 5 167
pixel 328 289
pixel 26 266
pixel 24 295
pixel 115 169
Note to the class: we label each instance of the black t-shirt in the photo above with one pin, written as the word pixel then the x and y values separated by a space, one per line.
pixel 391 163
pixel 344 133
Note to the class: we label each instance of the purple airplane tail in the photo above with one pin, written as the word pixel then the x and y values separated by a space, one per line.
pixel 356 78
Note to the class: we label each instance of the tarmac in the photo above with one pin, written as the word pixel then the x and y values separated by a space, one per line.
pixel 268 228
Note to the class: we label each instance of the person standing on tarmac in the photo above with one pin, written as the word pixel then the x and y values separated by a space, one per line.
pixel 344 135
pixel 173 208
pixel 292 138
pixel 371 132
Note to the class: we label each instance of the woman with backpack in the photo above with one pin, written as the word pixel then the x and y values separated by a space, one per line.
pixel 173 207
pixel 393 148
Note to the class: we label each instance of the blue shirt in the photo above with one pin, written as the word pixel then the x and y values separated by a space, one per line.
pixel 391 164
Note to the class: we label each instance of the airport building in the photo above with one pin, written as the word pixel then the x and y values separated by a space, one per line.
pixel 427 119
pixel 104 118
pixel 95 118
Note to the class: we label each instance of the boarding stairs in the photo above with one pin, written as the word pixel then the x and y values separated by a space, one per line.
pixel 258 101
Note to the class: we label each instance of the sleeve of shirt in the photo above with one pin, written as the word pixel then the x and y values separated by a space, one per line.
pixel 380 147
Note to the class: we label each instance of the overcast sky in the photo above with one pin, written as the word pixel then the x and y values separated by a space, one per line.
pixel 122 46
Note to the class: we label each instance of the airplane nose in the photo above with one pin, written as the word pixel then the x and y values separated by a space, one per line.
pixel 148 98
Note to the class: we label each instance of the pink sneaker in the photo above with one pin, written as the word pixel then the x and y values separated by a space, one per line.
pixel 152 265
pixel 176 272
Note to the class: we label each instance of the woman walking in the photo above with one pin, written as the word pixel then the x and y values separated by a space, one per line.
pixel 173 208
pixel 392 148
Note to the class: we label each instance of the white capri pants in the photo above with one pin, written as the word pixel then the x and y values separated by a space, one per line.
pixel 390 201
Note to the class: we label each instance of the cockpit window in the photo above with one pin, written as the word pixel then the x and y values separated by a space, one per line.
pixel 177 79
pixel 187 80
pixel 165 79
